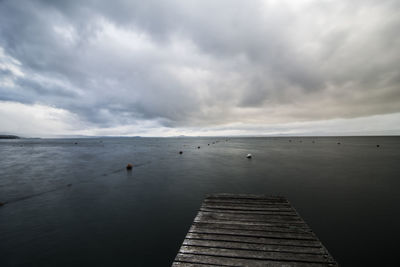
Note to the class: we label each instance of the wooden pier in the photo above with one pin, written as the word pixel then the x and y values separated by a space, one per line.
pixel 250 230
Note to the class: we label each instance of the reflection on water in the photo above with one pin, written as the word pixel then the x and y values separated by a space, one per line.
pixel 75 204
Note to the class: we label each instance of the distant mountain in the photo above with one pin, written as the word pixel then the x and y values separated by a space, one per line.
pixel 9 136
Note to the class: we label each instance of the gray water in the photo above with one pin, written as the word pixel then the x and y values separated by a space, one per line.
pixel 73 204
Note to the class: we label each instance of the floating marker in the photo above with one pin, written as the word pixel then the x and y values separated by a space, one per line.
pixel 180 152
pixel 129 166
pixel 249 156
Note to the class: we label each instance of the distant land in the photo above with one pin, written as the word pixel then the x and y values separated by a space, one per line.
pixel 9 136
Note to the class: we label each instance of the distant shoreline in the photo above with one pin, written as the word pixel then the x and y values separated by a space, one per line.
pixel 9 136
pixel 189 136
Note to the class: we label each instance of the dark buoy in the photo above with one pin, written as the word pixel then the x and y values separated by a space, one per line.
pixel 313 141
pixel 208 144
pixel 338 143
pixel 198 147
pixel 76 143
pixel 377 145
pixel 69 185
pixel 290 140
pixel 2 204
pixel 249 156
pixel 180 152
pixel 129 166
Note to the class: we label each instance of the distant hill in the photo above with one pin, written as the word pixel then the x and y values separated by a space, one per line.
pixel 9 136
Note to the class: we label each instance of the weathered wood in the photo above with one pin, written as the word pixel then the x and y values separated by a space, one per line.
pixel 246 203
pixel 186 264
pixel 250 230
pixel 250 217
pixel 255 212
pixel 245 196
pixel 253 254
pixel 248 208
pixel 250 223
pixel 280 235
pixel 255 240
pixel 227 261
pixel 253 227
pixel 253 246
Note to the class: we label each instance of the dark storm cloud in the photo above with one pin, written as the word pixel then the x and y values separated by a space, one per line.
pixel 186 63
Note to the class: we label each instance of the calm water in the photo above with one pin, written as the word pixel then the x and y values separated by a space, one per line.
pixel 75 205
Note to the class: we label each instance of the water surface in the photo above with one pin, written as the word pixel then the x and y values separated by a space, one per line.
pixel 70 202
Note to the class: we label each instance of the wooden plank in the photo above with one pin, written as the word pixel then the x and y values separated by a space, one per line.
pixel 250 230
pixel 247 201
pixel 253 246
pixel 254 254
pixel 186 264
pixel 280 235
pixel 250 223
pixel 226 261
pixel 253 227
pixel 245 196
pixel 273 212
pixel 247 217
pixel 248 208
pixel 256 240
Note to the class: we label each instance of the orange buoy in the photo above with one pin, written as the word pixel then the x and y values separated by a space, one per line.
pixel 129 166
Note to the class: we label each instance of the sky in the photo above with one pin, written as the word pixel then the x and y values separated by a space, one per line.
pixel 168 68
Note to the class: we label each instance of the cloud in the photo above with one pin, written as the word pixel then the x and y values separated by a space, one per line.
pixel 37 120
pixel 46 121
pixel 184 64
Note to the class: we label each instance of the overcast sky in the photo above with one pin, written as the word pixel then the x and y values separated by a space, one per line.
pixel 162 68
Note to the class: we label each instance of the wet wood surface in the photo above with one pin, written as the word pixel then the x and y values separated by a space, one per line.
pixel 250 230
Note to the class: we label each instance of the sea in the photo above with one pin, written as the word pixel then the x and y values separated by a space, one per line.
pixel 71 202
